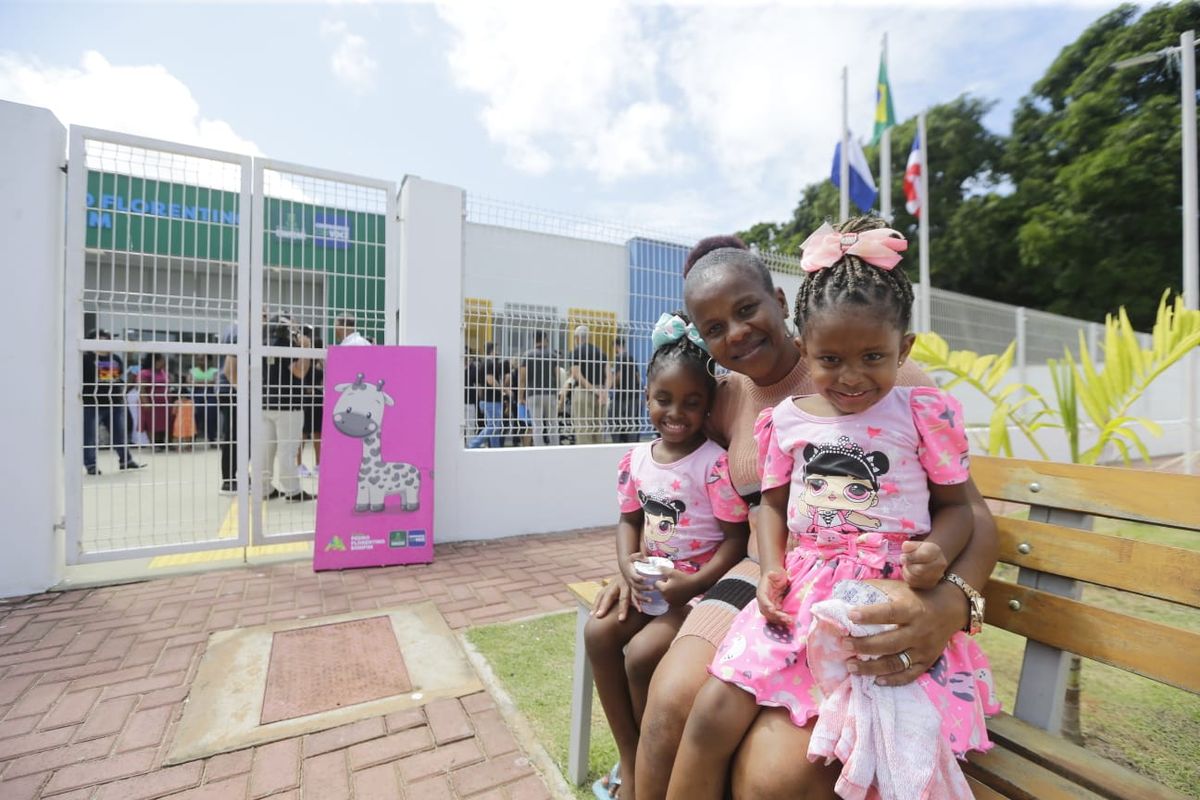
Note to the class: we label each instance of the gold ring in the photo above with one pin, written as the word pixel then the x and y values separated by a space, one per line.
pixel 904 659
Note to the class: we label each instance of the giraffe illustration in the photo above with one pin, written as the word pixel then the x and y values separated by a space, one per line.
pixel 359 413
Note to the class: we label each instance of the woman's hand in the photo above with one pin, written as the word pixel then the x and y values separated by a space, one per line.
pixel 925 619
pixel 616 594
pixel 772 587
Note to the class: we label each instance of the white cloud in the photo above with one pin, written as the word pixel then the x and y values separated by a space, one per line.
pixel 743 100
pixel 145 100
pixel 565 84
pixel 350 61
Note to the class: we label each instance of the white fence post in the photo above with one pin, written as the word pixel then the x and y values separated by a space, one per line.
pixel 31 247
pixel 430 303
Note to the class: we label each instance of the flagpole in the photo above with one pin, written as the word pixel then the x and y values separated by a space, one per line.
pixel 1191 248
pixel 844 172
pixel 926 320
pixel 885 159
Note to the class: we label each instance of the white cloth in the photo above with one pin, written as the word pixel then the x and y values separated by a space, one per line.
pixel 888 738
pixel 354 339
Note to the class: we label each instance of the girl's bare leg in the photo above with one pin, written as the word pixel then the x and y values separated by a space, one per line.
pixel 605 638
pixel 720 718
pixel 644 653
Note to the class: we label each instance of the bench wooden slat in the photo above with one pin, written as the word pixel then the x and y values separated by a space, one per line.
pixel 1081 766
pixel 1015 777
pixel 1157 498
pixel 1151 649
pixel 1145 568
pixel 983 791
pixel 585 591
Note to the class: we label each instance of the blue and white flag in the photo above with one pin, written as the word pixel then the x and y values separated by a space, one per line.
pixel 862 184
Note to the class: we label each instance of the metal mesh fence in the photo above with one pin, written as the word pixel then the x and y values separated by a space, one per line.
pixel 590 390
pixel 158 280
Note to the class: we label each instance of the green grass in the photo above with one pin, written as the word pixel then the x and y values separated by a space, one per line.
pixel 1141 724
pixel 533 660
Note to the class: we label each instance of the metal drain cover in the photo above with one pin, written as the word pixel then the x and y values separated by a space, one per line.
pixel 331 666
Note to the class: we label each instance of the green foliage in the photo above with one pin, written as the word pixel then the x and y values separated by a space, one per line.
pixel 1078 205
pixel 1106 391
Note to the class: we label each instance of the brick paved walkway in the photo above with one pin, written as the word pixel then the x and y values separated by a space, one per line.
pixel 93 681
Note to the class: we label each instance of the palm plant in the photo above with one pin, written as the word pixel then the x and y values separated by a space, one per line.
pixel 1107 392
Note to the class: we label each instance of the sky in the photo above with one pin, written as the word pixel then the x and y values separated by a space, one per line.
pixel 689 118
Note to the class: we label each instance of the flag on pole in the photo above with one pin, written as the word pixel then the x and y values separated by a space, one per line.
pixel 862 184
pixel 912 179
pixel 885 114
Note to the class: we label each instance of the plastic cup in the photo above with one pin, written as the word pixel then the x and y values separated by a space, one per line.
pixel 651 570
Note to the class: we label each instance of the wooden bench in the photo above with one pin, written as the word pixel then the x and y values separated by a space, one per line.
pixel 1056 551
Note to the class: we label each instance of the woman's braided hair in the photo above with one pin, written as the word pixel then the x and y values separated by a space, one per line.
pixel 852 280
pixel 685 352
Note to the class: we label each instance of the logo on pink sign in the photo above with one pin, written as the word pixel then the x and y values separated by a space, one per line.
pixel 376 485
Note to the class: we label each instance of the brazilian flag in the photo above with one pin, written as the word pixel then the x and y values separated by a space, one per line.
pixel 885 114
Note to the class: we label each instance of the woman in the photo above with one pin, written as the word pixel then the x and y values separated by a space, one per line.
pixel 154 389
pixel 742 316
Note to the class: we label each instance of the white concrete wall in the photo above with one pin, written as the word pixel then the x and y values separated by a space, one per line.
pixel 489 494
pixel 1164 404
pixel 32 148
pixel 506 265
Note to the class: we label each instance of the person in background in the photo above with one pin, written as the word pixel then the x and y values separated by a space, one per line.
pixel 517 413
pixel 313 397
pixel 625 383
pixel 491 399
pixel 204 395
pixel 588 395
pixel 345 332
pixel 227 405
pixel 104 404
pixel 471 370
pixel 155 399
pixel 536 389
pixel 283 410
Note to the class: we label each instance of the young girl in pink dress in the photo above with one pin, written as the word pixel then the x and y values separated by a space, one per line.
pixel 863 480
pixel 676 502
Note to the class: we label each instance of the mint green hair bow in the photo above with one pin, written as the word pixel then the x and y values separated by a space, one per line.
pixel 672 328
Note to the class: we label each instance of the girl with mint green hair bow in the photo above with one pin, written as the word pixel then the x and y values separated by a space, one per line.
pixel 673 327
pixel 680 518
pixel 676 341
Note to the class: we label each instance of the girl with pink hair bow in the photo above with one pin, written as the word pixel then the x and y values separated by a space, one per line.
pixel 861 480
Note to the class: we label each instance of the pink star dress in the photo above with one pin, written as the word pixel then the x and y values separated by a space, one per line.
pixel 681 501
pixel 858 490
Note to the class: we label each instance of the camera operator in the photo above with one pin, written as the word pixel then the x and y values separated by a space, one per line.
pixel 283 408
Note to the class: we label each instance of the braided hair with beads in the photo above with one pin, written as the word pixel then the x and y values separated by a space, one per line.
pixel 850 279
pixel 685 352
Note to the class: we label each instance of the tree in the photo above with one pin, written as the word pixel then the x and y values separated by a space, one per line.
pixel 1078 206
pixel 1095 159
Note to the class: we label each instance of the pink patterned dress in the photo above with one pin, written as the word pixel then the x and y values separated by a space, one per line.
pixel 858 490
pixel 681 502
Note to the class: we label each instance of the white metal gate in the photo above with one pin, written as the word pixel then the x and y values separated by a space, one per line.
pixel 181 261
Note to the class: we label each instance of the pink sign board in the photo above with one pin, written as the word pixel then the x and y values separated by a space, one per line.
pixel 375 505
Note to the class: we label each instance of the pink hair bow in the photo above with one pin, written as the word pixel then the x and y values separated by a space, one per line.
pixel 880 247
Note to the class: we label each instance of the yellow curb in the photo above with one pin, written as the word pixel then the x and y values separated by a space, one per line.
pixel 228 554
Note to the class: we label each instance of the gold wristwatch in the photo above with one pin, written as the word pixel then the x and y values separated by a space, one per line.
pixel 975 601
